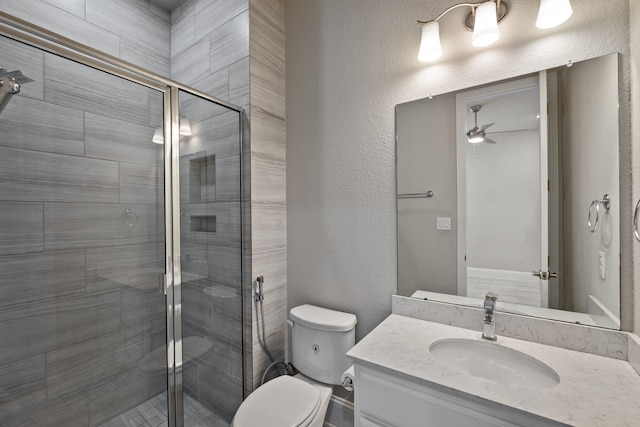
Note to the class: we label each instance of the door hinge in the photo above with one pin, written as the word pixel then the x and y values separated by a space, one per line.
pixel 545 275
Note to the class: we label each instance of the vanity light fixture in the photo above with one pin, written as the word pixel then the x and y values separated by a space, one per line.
pixel 430 48
pixel 483 20
pixel 553 13
pixel 485 28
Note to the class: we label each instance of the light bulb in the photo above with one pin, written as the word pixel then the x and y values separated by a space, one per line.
pixel 553 13
pixel 485 28
pixel 430 48
pixel 185 126
pixel 158 136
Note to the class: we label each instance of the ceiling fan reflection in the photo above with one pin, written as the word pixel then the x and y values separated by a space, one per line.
pixel 477 134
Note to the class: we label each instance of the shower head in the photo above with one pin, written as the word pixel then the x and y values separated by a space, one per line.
pixel 15 75
pixel 8 88
pixel 10 82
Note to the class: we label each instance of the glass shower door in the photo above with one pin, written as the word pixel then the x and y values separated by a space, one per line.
pixel 83 321
pixel 211 262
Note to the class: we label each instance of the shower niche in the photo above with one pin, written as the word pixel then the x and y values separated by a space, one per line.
pixel 202 189
pixel 203 223
pixel 202 178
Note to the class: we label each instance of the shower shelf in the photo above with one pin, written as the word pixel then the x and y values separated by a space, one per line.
pixel 202 178
pixel 203 223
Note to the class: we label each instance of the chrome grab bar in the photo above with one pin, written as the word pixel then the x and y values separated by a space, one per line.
pixel 606 203
pixel 635 221
pixel 427 195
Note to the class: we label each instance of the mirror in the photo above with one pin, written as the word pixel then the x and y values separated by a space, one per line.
pixel 495 194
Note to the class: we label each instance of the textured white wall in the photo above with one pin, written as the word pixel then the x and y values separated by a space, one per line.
pixel 349 62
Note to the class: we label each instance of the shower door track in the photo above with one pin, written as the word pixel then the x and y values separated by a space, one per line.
pixel 41 38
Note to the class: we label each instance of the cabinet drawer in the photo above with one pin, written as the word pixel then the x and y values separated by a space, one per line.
pixel 385 401
pixel 367 420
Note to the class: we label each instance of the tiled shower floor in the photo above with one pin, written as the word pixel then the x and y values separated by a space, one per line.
pixel 153 413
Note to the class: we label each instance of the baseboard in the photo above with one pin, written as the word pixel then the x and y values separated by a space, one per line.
pixel 339 413
pixel 634 352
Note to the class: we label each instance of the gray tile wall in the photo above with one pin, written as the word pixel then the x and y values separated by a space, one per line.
pixel 132 30
pixel 209 39
pixel 268 169
pixel 81 309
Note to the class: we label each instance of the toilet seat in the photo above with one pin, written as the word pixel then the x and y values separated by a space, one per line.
pixel 282 402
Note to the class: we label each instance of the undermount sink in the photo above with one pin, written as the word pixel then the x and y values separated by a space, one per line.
pixel 493 362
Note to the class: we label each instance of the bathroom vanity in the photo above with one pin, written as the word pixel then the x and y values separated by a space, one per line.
pixel 411 372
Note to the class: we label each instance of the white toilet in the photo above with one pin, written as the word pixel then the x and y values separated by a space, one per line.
pixel 319 340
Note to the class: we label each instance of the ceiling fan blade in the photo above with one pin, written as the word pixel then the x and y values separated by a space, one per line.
pixel 510 131
pixel 489 140
pixel 473 130
pixel 484 127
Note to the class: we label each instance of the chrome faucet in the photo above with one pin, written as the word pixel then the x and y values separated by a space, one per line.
pixel 489 319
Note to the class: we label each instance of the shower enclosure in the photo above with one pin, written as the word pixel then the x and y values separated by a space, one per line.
pixel 120 243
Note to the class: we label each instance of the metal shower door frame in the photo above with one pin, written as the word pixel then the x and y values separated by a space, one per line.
pixel 35 36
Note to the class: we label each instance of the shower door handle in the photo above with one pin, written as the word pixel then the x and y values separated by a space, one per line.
pixel 163 284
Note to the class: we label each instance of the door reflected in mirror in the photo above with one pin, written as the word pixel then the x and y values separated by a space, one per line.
pixel 517 204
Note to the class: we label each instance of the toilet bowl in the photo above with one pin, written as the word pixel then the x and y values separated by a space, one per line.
pixel 285 401
pixel 319 340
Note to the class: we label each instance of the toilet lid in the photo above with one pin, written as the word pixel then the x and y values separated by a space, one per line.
pixel 282 402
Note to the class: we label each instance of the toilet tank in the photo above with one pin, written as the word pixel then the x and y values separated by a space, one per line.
pixel 320 339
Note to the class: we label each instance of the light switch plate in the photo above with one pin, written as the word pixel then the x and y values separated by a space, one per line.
pixel 601 265
pixel 443 223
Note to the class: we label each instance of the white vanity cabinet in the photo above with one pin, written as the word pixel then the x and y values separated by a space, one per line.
pixel 403 380
pixel 383 400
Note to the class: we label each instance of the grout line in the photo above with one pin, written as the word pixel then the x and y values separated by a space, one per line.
pixel 84 133
pixel 44 249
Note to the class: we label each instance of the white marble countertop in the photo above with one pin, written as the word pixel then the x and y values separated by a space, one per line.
pixel 593 390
